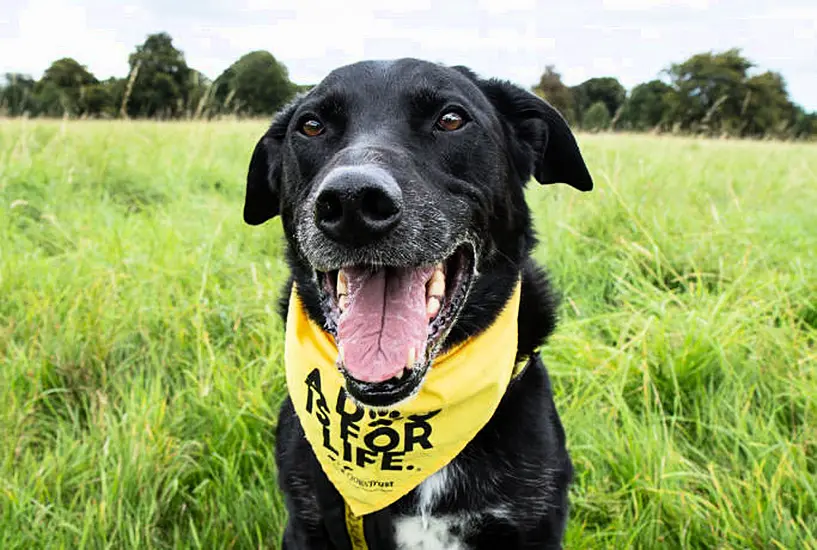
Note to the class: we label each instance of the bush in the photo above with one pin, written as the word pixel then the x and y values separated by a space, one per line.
pixel 597 117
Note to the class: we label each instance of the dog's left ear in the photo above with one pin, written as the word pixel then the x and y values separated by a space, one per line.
pixel 264 175
pixel 261 200
pixel 541 141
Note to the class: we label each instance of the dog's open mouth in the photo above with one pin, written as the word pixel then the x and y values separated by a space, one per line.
pixel 390 322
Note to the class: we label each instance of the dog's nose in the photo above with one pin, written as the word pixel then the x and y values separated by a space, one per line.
pixel 358 205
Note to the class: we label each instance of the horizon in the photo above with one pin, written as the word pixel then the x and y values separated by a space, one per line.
pixel 590 38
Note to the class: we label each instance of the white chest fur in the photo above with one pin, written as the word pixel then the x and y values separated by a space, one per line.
pixel 434 533
pixel 425 531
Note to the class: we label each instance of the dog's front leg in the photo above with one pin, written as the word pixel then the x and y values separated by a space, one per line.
pixel 298 537
pixel 493 536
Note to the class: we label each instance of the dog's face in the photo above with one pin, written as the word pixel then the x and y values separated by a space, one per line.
pixel 400 187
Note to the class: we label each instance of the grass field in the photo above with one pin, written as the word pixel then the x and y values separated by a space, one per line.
pixel 141 355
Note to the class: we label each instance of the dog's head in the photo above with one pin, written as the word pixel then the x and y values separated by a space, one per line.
pixel 400 186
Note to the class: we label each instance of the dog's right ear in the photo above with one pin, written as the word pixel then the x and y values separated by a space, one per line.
pixel 541 143
pixel 264 175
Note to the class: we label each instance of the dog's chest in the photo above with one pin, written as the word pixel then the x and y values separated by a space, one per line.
pixel 426 531
pixel 431 533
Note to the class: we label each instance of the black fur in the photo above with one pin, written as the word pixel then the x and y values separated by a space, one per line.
pixel 468 183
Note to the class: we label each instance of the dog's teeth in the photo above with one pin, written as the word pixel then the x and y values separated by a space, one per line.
pixel 435 292
pixel 440 267
pixel 400 374
pixel 410 358
pixel 437 275
pixel 432 307
pixel 437 286
pixel 340 354
pixel 343 288
pixel 342 284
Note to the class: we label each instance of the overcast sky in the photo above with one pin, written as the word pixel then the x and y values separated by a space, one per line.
pixel 632 40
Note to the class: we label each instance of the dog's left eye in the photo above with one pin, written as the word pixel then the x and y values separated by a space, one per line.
pixel 312 127
pixel 450 121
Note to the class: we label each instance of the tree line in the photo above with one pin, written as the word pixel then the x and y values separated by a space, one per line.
pixel 712 93
pixel 159 84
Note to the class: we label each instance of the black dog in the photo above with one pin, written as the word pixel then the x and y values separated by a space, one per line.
pixel 394 165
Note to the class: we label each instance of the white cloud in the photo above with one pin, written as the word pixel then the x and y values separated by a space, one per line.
pixel 650 33
pixel 632 40
pixel 49 29
pixel 574 74
pixel 319 8
pixel 636 5
pixel 347 34
pixel 794 14
pixel 506 6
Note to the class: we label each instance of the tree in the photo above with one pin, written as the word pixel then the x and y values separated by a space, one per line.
pixel 62 86
pixel 161 79
pixel 554 91
pixel 607 90
pixel 767 110
pixel 710 89
pixel 256 84
pixel 17 95
pixel 51 101
pixel 95 101
pixel 597 117
pixel 199 96
pixel 68 74
pixel 648 106
pixel 115 91
pixel 804 125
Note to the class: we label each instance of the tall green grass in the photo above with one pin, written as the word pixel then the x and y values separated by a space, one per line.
pixel 140 351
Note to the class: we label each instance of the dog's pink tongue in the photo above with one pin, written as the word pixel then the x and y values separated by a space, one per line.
pixel 384 318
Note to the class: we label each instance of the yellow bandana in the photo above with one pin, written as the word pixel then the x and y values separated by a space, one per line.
pixel 373 457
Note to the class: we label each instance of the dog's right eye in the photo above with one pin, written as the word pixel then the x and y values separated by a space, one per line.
pixel 312 127
pixel 451 120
